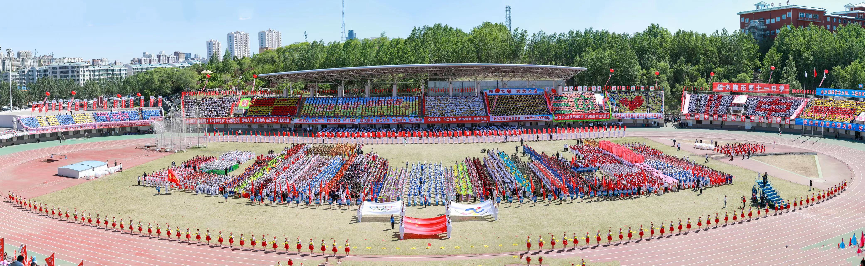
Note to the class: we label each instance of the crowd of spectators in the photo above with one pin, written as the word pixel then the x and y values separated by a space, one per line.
pixel 710 104
pixel 330 107
pixel 510 105
pixel 216 106
pixel 783 107
pixel 454 106
pixel 577 103
pixel 833 110
pixel 87 118
pixel 637 101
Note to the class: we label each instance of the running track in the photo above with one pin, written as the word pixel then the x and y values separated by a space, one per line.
pixel 776 240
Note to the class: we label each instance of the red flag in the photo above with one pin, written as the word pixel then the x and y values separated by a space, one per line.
pixel 172 177
pixel 2 246
pixel 50 260
pixel 24 252
pixel 81 264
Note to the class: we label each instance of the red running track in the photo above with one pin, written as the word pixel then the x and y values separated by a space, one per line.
pixel 775 240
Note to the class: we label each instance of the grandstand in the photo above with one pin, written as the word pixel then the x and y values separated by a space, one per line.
pixel 454 107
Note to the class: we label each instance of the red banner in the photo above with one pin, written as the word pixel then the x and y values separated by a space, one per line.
pixel 586 116
pixel 751 87
pixel 456 119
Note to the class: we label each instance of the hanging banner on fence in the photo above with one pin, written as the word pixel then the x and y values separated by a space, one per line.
pixel 51 129
pixel 585 116
pixel 830 124
pixel 456 119
pixel 367 120
pixel 240 120
pixel 638 116
pixel 751 87
pixel 517 118
pixel 840 93
pixel 513 91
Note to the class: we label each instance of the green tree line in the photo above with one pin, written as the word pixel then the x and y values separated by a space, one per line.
pixel 681 58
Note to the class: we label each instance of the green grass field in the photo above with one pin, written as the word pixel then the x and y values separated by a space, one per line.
pixel 118 195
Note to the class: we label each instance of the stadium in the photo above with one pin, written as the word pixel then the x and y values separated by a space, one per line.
pixel 492 164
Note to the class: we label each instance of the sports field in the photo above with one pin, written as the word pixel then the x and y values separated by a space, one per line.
pixel 119 196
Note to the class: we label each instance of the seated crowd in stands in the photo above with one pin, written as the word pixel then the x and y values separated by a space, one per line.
pixel 508 105
pixel 833 110
pixel 86 118
pixel 329 107
pixel 208 106
pixel 636 101
pixel 576 103
pixel 783 107
pixel 454 106
pixel 710 104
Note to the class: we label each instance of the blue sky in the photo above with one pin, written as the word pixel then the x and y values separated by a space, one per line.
pixel 122 29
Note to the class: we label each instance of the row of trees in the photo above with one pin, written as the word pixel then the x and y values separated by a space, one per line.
pixel 681 58
pixel 157 82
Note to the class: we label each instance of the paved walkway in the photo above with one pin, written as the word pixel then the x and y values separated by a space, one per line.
pixel 776 240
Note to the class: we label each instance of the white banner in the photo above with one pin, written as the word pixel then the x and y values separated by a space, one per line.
pixel 373 208
pixel 481 209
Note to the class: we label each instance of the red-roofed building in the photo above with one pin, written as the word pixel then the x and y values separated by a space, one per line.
pixel 767 19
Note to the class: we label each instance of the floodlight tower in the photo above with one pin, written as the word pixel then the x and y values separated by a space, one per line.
pixel 507 17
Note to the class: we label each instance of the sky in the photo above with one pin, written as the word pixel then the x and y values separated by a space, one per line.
pixel 122 30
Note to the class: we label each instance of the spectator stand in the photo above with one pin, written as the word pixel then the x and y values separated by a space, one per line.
pixel 579 106
pixel 635 105
pixel 446 109
pixel 513 105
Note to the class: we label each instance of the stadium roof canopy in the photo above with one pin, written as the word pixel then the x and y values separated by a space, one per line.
pixel 476 71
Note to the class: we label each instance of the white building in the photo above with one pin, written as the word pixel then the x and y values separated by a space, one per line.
pixel 269 40
pixel 132 69
pixel 213 47
pixel 238 44
pixel 83 72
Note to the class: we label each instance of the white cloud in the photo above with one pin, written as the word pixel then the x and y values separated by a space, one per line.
pixel 244 18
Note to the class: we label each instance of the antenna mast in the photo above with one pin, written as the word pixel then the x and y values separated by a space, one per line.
pixel 343 20
pixel 507 17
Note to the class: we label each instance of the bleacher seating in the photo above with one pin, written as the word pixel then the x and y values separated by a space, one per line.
pixel 508 105
pixel 65 119
pixel 710 104
pixel 636 101
pixel 833 110
pixel 782 107
pixel 43 121
pixel 576 103
pixel 31 122
pixel 454 106
pixel 131 115
pixel 52 120
pixel 101 117
pixel 150 113
pixel 82 118
pixel 285 107
pixel 210 106
pixel 261 107
pixel 328 107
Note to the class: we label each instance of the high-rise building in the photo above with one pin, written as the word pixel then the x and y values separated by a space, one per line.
pixel 351 35
pixel 766 20
pixel 269 40
pixel 213 47
pixel 238 44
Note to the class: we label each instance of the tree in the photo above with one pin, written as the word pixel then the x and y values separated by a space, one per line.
pixel 850 76
pixel 788 74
